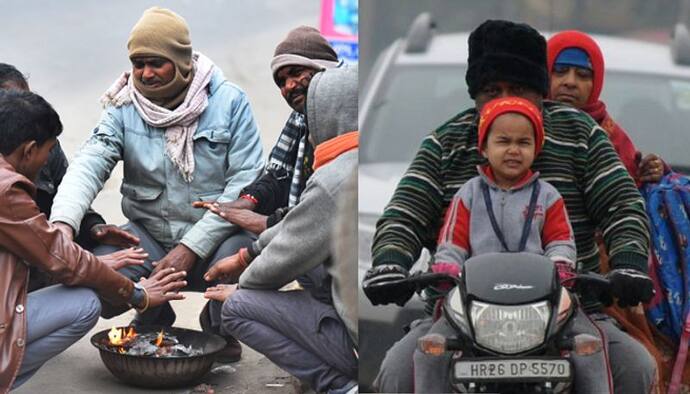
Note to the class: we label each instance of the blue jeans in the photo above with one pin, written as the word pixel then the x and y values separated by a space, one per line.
pixel 56 317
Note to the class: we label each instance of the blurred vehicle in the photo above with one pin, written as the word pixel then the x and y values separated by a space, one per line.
pixel 418 83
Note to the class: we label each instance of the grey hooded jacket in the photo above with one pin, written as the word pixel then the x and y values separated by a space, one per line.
pixel 471 233
pixel 300 243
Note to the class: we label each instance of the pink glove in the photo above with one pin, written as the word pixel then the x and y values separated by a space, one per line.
pixel 566 272
pixel 451 269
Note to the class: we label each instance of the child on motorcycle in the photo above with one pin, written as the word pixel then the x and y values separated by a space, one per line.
pixel 506 208
pixel 525 214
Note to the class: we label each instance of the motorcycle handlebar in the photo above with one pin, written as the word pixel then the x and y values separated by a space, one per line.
pixel 421 280
pixel 594 279
pixel 417 280
pixel 593 283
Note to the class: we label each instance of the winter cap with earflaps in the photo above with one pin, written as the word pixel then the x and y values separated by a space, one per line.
pixel 162 33
pixel 508 52
pixel 497 107
pixel 577 39
pixel 304 46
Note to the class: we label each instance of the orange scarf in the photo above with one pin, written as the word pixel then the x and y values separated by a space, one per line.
pixel 329 150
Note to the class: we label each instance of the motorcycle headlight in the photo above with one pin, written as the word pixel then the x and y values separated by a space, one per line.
pixel 456 310
pixel 510 329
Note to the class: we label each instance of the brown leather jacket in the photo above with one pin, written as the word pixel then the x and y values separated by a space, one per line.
pixel 26 238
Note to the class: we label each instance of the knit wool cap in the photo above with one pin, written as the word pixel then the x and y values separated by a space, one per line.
pixel 497 107
pixel 508 52
pixel 304 46
pixel 577 39
pixel 162 33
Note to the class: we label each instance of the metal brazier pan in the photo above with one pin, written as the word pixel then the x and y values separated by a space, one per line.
pixel 161 372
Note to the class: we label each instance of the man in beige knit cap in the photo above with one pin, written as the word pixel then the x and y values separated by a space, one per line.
pixel 160 40
pixel 184 133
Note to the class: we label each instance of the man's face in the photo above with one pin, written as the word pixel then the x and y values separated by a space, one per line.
pixel 571 85
pixel 510 148
pixel 153 71
pixel 293 82
pixel 499 89
pixel 35 157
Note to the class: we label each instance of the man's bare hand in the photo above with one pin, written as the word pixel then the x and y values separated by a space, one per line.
pixel 240 203
pixel 245 218
pixel 226 270
pixel 163 286
pixel 124 258
pixel 248 220
pixel 109 234
pixel 180 257
pixel 220 292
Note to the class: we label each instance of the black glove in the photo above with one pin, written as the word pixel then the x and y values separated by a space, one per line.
pixel 630 286
pixel 385 284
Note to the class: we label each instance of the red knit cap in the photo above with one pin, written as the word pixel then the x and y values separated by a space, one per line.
pixel 577 39
pixel 500 106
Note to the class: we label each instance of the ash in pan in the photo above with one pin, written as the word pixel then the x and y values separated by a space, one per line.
pixel 156 345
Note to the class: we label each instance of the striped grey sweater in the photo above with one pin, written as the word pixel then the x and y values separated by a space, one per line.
pixel 577 159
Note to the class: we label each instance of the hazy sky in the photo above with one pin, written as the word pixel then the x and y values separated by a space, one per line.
pixel 73 51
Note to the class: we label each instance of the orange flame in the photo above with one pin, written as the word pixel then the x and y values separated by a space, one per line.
pixel 159 339
pixel 119 337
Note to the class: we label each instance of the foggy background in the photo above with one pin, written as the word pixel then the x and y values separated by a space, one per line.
pixel 72 51
pixel 382 21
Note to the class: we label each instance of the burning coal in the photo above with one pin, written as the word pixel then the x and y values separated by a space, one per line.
pixel 128 341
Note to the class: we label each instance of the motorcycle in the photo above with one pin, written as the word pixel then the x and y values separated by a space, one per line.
pixel 510 315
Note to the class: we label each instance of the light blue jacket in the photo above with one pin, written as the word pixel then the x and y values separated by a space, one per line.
pixel 227 156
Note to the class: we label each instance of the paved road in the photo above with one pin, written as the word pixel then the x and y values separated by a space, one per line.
pixel 72 51
pixel 80 370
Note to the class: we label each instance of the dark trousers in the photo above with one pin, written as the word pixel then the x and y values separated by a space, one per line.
pixel 301 335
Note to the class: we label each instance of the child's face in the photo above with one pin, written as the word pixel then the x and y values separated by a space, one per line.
pixel 510 148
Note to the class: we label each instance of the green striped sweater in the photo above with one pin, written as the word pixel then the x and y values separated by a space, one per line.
pixel 577 158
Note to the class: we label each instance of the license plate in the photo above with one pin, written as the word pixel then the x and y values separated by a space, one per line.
pixel 518 369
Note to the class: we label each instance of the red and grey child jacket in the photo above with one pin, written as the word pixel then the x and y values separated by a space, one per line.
pixel 468 229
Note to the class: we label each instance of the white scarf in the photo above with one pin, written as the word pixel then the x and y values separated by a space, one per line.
pixel 181 123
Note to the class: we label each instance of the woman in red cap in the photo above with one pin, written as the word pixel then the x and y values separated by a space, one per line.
pixel 576 70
